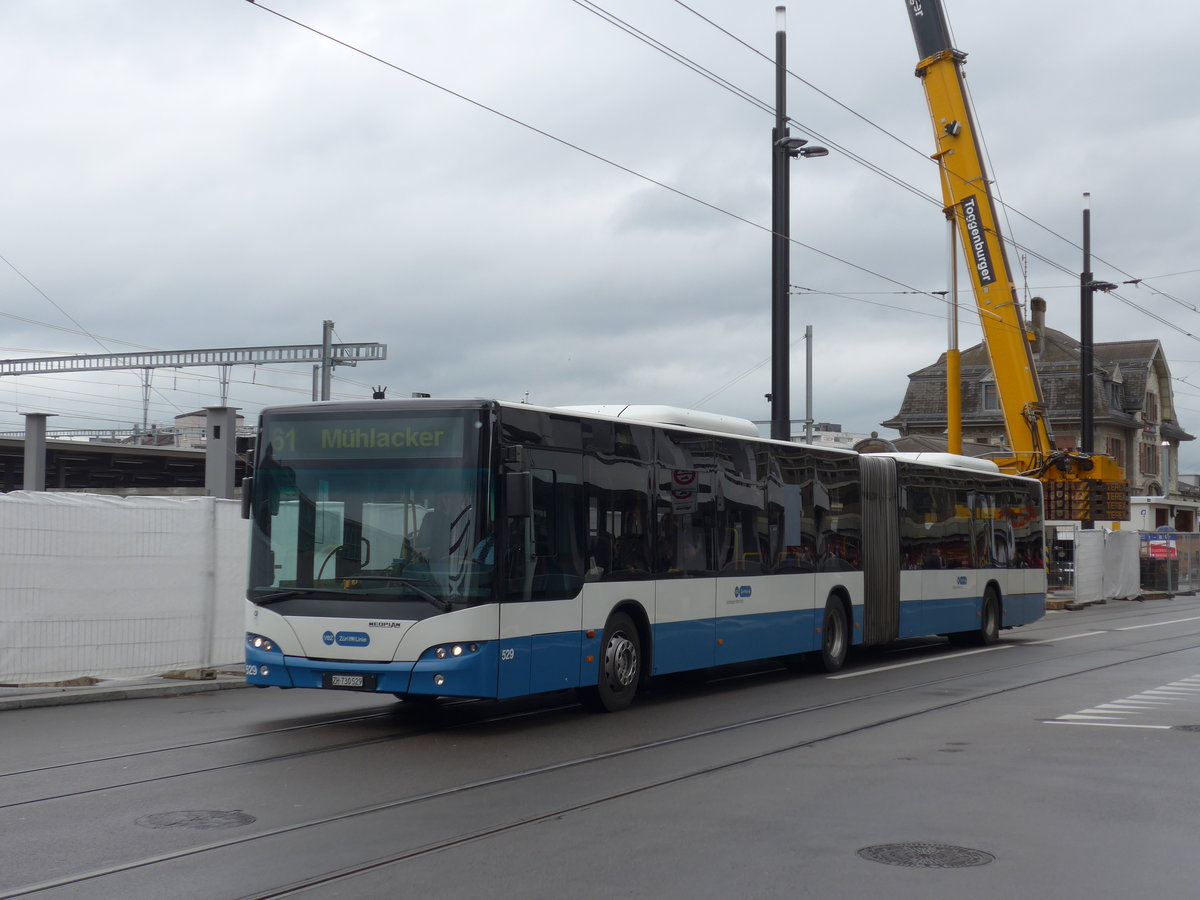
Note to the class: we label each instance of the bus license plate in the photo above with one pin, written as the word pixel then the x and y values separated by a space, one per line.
pixel 346 682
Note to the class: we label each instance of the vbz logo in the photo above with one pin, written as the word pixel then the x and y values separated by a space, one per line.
pixel 742 591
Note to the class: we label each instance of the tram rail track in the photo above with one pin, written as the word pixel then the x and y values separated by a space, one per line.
pixel 340 874
pixel 427 725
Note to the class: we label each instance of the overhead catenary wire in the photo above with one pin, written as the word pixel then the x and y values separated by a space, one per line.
pixel 571 145
pixel 1005 207
pixel 600 158
pixel 717 79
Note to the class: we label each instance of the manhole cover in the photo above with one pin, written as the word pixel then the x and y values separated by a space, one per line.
pixel 926 855
pixel 198 819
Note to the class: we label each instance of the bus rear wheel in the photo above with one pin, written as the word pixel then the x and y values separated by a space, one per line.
pixel 835 638
pixel 620 667
pixel 988 631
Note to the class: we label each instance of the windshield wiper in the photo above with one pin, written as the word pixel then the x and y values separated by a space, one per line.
pixel 434 599
pixel 280 596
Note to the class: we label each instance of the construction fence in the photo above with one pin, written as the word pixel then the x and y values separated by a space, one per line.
pixel 113 587
pixel 1093 564
pixel 1170 562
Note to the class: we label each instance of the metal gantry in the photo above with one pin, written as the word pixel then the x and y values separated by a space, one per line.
pixel 325 356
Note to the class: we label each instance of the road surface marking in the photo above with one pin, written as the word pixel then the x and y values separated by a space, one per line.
pixel 1157 624
pixel 921 662
pixel 1069 637
pixel 1153 700
pixel 1107 724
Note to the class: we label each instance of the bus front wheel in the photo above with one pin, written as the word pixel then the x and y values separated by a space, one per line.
pixel 620 667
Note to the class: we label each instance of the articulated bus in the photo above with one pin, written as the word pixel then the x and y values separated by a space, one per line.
pixel 476 548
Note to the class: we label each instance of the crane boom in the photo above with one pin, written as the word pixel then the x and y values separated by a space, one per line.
pixel 967 198
pixel 967 194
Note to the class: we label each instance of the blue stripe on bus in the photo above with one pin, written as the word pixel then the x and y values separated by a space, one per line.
pixel 514 667
pixel 742 638
pixel 680 646
pixel 950 614
pixel 1021 609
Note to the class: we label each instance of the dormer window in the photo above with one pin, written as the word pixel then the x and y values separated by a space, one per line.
pixel 991 398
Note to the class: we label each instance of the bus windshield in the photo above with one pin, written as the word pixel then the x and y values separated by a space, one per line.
pixel 392 507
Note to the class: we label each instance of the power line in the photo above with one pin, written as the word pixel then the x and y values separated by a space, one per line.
pixel 1005 207
pixel 658 45
pixel 595 8
pixel 596 156
pixel 47 298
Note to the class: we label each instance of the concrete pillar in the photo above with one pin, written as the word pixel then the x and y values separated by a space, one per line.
pixel 35 451
pixel 220 438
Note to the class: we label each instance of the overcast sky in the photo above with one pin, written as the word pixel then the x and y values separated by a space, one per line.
pixel 192 175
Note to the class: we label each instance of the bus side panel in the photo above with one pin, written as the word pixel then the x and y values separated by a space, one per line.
pixel 684 627
pixel 556 661
pixel 1021 609
pixel 540 645
pixel 764 616
pixel 1025 601
pixel 952 601
pixel 516 661
pixel 912 587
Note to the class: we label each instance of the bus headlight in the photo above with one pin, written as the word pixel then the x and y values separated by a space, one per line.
pixel 258 642
pixel 448 651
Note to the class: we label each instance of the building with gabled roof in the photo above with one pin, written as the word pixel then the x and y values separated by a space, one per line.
pixel 1133 412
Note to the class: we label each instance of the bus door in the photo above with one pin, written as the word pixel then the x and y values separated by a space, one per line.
pixel 685 583
pixel 540 633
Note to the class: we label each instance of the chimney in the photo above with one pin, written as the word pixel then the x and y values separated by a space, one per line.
pixel 1037 310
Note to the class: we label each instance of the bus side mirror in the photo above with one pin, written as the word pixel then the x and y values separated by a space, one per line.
pixel 518 494
pixel 247 494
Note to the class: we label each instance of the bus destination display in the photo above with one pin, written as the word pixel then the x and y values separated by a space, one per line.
pixel 419 438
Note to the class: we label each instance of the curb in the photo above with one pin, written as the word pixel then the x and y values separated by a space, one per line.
pixel 32 698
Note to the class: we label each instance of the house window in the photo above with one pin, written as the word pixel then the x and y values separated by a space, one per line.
pixel 1149 459
pixel 1150 410
pixel 991 399
pixel 1115 448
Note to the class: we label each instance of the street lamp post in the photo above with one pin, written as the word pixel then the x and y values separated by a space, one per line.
pixel 1087 290
pixel 783 148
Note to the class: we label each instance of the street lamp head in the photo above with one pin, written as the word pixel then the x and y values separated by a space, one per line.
pixel 1104 286
pixel 795 146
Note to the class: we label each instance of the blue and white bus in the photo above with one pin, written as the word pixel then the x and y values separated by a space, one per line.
pixel 477 548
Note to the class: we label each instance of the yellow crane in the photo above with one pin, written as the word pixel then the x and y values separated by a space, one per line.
pixel 1077 485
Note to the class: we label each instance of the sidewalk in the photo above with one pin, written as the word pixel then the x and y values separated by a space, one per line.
pixel 29 697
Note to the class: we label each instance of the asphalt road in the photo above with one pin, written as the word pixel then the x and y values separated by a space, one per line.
pixel 1059 763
